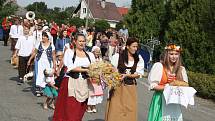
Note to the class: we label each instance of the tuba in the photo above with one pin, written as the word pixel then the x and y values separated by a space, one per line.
pixel 30 15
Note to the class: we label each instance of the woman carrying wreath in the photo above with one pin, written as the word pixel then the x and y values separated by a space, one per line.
pixel 162 74
pixel 122 102
pixel 72 99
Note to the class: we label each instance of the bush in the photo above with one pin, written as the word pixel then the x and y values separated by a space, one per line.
pixel 203 83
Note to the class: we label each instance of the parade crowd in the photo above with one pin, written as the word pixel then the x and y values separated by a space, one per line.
pixel 57 59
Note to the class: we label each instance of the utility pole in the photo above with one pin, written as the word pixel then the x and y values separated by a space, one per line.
pixel 87 17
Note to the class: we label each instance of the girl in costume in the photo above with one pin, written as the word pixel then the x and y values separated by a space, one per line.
pixel 161 74
pixel 50 90
pixel 122 102
pixel 96 95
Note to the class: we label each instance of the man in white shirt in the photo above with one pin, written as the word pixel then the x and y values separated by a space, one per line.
pixel 16 31
pixel 37 34
pixel 24 48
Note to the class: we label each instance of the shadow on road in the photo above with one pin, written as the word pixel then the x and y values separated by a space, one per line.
pixel 8 61
pixel 27 89
pixel 14 79
pixel 50 118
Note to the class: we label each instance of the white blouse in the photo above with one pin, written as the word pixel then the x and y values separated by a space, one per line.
pixel 79 62
pixel 140 64
pixel 156 73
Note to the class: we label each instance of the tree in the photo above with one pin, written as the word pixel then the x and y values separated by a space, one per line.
pixel 192 31
pixel 77 21
pixel 145 19
pixel 101 25
pixel 189 23
pixel 6 9
pixel 37 7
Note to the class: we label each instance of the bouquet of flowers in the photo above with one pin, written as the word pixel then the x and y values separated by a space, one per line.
pixel 106 72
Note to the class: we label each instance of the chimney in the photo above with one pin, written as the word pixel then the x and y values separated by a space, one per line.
pixel 103 3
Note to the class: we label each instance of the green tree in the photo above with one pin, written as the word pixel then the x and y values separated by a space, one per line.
pixel 6 9
pixel 77 21
pixel 189 23
pixel 101 25
pixel 145 19
pixel 37 7
pixel 192 27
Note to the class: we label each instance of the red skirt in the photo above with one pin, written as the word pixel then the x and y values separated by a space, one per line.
pixel 68 108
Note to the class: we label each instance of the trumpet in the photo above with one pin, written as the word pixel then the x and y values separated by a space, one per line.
pixel 30 15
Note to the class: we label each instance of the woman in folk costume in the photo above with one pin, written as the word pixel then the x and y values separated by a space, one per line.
pixel 161 74
pixel 122 102
pixel 45 58
pixel 72 99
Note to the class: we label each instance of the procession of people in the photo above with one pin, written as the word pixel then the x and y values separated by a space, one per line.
pixel 59 58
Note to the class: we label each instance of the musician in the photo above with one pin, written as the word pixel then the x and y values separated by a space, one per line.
pixel 38 33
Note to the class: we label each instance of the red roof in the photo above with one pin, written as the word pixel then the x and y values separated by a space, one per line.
pixel 122 10
pixel 110 11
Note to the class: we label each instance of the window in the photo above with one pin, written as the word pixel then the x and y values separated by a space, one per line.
pixel 84 10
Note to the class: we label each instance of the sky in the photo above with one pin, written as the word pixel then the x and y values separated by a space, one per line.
pixel 68 3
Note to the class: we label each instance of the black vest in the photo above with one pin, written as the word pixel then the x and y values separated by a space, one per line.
pixel 75 75
pixel 122 69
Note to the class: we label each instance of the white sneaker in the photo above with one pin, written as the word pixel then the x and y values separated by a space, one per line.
pixel 94 110
pixel 89 111
pixel 38 95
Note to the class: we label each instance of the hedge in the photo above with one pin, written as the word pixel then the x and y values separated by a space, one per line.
pixel 203 83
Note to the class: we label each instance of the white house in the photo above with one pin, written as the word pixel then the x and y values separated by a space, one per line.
pixel 98 10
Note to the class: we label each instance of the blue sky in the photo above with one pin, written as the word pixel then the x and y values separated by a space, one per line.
pixel 67 3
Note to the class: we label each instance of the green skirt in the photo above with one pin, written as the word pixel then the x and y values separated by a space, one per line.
pixel 159 111
pixel 50 91
pixel 155 110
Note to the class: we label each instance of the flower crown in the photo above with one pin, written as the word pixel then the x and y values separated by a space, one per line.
pixel 173 47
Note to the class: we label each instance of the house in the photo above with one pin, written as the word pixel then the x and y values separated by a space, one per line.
pixel 98 10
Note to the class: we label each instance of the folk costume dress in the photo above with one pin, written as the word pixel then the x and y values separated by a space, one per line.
pixel 72 99
pixel 43 61
pixel 158 110
pixel 122 103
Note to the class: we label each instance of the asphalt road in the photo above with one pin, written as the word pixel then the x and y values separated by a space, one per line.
pixel 17 102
